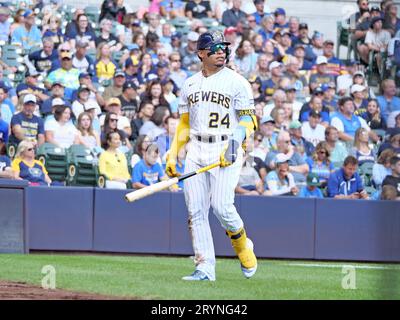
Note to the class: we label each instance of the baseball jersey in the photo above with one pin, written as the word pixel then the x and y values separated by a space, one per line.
pixel 212 102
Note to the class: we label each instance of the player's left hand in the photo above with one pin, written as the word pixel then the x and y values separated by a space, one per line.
pixel 229 154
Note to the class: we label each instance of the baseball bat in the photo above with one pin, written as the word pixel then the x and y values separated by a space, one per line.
pixel 159 186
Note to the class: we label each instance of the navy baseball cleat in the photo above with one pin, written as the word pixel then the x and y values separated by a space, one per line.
pixel 197 275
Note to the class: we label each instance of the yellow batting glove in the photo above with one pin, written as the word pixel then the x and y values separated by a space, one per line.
pixel 170 167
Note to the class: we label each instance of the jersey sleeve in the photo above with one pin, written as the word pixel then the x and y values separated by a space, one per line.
pixel 243 99
pixel 183 106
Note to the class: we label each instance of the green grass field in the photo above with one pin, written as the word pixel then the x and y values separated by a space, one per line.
pixel 159 277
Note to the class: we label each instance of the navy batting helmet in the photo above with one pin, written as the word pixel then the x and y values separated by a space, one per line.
pixel 207 39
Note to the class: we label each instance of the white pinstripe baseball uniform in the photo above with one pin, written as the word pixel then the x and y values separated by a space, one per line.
pixel 212 103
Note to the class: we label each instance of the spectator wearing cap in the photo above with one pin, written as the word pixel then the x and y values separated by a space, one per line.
pixel 358 93
pixel 346 183
pixel 329 100
pixel 31 85
pixel 284 45
pixel 68 75
pixel 231 17
pixel 394 178
pixel 312 130
pixel 345 121
pixel 107 36
pixel 262 11
pixel 198 9
pixel 297 166
pixel 5 24
pixel 83 97
pixel 303 37
pixel 388 101
pixel 376 39
pixel 391 22
pixel 291 98
pixel 25 125
pixel 315 104
pixel 60 131
pixel 267 28
pixel 123 123
pixel 311 190
pixel 81 60
pixel 267 129
pixel 245 58
pixel 57 92
pixel 5 110
pixel 320 164
pixel 176 41
pixel 299 53
pixel 129 100
pixel 321 74
pixel 116 88
pixel 270 86
pixel 280 19
pixel 280 181
pixel 131 70
pixel 95 94
pixel 258 94
pixel 190 60
pixel 303 147
pixel 42 59
pixel 105 66
pixel 335 66
pixel 177 74
pixel 27 35
pixel 363 24
pixel 82 33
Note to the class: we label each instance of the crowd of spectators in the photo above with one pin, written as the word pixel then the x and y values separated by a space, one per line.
pixel 111 81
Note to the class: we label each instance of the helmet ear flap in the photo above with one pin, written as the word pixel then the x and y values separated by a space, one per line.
pixel 227 53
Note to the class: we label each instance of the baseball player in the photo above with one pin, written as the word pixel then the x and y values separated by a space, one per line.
pixel 216 115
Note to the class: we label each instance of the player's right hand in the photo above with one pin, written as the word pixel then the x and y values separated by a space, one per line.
pixel 170 167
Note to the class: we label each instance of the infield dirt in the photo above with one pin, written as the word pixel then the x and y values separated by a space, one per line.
pixel 23 291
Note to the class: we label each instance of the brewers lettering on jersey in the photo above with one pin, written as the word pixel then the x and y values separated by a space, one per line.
pixel 216 114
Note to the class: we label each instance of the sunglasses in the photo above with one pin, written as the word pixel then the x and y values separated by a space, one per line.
pixel 322 152
pixel 216 47
pixel 113 120
pixel 29 149
pixel 176 60
pixel 259 140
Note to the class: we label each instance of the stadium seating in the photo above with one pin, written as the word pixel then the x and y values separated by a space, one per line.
pixel 54 159
pixel 82 167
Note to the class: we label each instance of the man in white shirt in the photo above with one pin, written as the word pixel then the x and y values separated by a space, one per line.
pixel 312 130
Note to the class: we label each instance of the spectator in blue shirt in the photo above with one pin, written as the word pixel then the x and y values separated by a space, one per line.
pixel 5 111
pixel 4 23
pixel 311 190
pixel 148 171
pixel 346 183
pixel 27 35
pixel 388 101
